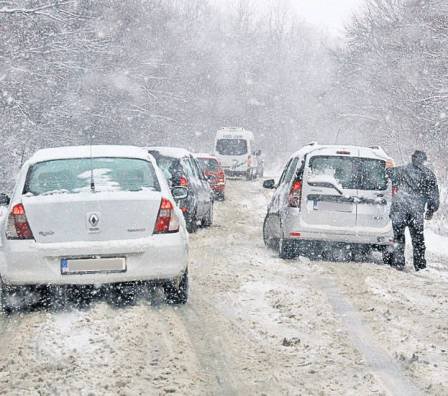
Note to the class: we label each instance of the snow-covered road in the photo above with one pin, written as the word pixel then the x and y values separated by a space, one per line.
pixel 255 324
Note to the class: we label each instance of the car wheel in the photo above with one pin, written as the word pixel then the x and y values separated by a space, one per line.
pixel 192 223
pixel 14 298
pixel 208 221
pixel 5 299
pixel 388 256
pixel 269 240
pixel 177 294
pixel 287 249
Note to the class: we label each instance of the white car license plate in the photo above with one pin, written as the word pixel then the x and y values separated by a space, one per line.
pixel 335 206
pixel 92 265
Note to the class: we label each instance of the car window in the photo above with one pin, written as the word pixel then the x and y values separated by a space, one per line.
pixel 197 169
pixel 231 146
pixel 170 166
pixel 285 170
pixel 75 176
pixel 189 172
pixel 352 172
pixel 291 170
pixel 208 164
pixel 288 172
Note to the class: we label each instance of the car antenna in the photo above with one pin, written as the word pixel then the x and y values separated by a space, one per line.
pixel 92 179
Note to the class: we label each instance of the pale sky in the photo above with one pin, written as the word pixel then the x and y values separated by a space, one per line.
pixel 328 15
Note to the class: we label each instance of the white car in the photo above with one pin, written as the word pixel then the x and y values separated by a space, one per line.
pixel 93 215
pixel 331 196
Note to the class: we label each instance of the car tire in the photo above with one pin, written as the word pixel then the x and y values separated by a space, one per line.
pixel 5 303
pixel 287 249
pixel 192 223
pixel 269 241
pixel 388 257
pixel 208 221
pixel 175 295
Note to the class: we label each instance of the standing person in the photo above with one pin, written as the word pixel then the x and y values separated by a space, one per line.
pixel 416 199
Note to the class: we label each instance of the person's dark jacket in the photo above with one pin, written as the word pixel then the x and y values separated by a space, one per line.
pixel 416 189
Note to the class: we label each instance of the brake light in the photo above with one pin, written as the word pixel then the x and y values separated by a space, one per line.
pixel 167 221
pixel 183 182
pixel 343 152
pixel 295 194
pixel 394 190
pixel 249 161
pixel 18 226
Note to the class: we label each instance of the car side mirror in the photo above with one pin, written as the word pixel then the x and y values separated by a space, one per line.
pixel 269 184
pixel 258 153
pixel 179 193
pixel 325 184
pixel 4 199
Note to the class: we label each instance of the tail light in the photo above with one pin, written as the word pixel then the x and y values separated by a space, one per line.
pixel 221 176
pixel 167 221
pixel 295 194
pixel 18 226
pixel 394 190
pixel 183 182
pixel 249 161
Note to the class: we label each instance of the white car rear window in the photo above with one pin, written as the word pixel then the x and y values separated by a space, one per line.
pixel 64 176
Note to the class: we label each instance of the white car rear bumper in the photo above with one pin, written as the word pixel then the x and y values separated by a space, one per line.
pixel 158 257
pixel 295 228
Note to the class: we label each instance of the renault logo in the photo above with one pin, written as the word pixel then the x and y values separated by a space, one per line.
pixel 94 220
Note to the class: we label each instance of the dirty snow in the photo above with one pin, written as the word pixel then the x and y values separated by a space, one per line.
pixel 255 324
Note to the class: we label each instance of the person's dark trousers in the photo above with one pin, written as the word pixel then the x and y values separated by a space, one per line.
pixel 415 222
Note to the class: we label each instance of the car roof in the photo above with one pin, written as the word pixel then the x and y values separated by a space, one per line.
pixel 235 131
pixel 87 151
pixel 374 152
pixel 205 155
pixel 175 152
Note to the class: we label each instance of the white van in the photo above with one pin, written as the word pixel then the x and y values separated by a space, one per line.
pixel 331 196
pixel 235 149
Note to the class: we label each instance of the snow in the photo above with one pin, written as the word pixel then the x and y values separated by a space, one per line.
pixel 435 243
pixel 87 151
pixel 174 152
pixel 254 324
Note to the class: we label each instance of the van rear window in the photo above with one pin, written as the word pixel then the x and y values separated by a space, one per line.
pixel 352 172
pixel 231 146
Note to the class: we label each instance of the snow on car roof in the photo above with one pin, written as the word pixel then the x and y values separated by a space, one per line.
pixel 175 152
pixel 204 155
pixel 85 152
pixel 364 152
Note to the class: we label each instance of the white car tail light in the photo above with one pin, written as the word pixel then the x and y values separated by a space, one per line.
pixel 18 226
pixel 167 221
pixel 295 194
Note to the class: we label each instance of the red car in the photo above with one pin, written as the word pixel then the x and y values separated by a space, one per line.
pixel 214 173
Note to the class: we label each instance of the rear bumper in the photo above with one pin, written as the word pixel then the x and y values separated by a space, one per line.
pixel 295 228
pixel 147 259
pixel 218 188
pixel 235 173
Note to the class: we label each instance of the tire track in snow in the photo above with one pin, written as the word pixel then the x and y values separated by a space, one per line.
pixel 210 350
pixel 382 364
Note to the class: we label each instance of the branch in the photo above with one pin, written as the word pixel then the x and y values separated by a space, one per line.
pixel 35 11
